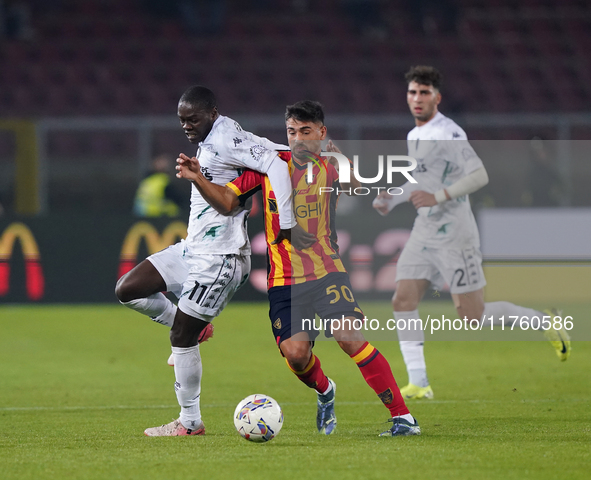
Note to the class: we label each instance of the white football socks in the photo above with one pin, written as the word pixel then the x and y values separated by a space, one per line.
pixel 187 371
pixel 498 309
pixel 408 417
pixel 327 391
pixel 411 345
pixel 156 306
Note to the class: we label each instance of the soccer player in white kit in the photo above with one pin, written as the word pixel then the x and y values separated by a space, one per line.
pixel 206 269
pixel 444 245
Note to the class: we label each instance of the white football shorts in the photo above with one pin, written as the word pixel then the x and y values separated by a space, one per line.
pixel 204 284
pixel 172 266
pixel 461 269
pixel 211 283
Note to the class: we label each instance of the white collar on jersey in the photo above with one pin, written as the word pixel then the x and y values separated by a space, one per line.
pixel 438 116
pixel 212 131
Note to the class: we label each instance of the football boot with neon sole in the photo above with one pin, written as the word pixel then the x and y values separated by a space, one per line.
pixel 174 429
pixel 326 420
pixel 559 339
pixel 401 427
pixel 414 392
pixel 205 335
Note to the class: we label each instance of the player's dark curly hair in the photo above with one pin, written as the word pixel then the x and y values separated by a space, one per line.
pixel 305 111
pixel 424 75
pixel 199 96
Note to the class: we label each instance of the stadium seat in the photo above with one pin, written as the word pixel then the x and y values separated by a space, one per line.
pixel 102 48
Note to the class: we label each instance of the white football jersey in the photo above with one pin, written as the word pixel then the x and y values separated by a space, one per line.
pixel 224 153
pixel 443 156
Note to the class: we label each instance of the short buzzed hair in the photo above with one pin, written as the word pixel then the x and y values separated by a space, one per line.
pixel 200 97
pixel 424 75
pixel 305 111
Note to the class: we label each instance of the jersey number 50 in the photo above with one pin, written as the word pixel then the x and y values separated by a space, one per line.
pixel 346 291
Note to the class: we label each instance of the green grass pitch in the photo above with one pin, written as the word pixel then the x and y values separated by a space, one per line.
pixel 79 384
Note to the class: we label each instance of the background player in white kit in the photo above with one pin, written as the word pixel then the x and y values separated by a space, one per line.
pixel 444 245
pixel 207 268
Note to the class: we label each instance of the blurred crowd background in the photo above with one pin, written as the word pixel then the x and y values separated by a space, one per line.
pixel 99 80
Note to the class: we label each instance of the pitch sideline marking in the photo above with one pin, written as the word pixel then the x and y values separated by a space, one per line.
pixel 228 405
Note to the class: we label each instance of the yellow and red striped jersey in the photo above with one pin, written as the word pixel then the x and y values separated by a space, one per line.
pixel 315 213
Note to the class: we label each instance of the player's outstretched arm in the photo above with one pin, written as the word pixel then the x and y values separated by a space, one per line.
pixel 464 186
pixel 220 197
pixel 278 173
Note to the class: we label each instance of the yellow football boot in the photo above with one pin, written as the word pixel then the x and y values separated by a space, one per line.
pixel 413 392
pixel 559 338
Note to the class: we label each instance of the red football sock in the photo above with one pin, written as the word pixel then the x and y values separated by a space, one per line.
pixel 312 375
pixel 378 375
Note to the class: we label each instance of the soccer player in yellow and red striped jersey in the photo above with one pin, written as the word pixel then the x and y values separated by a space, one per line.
pixel 315 213
pixel 303 283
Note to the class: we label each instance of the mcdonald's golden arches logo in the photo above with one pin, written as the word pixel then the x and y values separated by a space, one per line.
pixel 35 282
pixel 154 242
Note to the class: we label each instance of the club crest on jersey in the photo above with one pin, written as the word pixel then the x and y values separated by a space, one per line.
pixel 257 151
pixel 277 324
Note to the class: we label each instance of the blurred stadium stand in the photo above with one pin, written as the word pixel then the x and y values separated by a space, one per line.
pixel 97 57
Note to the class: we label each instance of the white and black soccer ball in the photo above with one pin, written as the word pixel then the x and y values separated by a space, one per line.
pixel 258 418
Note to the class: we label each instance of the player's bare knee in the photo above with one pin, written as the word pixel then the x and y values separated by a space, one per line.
pixel 350 346
pixel 297 354
pixel 123 291
pixel 298 362
pixel 403 304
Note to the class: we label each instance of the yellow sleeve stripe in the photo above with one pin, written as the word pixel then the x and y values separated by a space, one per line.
pixel 305 370
pixel 234 188
pixel 366 352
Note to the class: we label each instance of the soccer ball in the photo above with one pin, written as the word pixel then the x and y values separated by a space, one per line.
pixel 258 418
